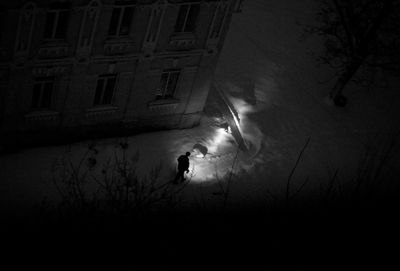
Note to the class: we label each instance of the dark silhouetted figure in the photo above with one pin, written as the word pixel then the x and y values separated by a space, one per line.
pixel 183 165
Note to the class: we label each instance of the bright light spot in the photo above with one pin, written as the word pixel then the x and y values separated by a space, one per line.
pixel 216 162
pixel 219 137
pixel 220 143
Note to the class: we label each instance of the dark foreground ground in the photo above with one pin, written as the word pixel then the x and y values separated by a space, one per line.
pixel 300 236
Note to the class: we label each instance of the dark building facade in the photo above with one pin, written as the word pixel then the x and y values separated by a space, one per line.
pixel 79 67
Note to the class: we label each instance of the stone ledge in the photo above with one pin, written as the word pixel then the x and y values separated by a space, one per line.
pixel 163 106
pixel 101 111
pixel 46 115
pixel 54 49
pixel 182 40
pixel 118 46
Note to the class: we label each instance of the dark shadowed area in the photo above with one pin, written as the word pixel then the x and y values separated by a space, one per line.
pixel 99 98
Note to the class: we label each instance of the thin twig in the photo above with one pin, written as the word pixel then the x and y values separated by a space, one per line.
pixel 294 169
pixel 227 191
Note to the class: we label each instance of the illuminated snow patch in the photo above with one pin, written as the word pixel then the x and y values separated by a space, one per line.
pixel 216 162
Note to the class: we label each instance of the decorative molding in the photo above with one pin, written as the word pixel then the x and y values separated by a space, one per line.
pixel 180 54
pixel 182 40
pixel 50 71
pixel 56 49
pixel 101 111
pixel 46 115
pixel 118 46
pixel 171 63
pixel 163 106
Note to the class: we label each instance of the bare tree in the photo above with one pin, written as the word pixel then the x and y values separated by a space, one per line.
pixel 114 187
pixel 358 33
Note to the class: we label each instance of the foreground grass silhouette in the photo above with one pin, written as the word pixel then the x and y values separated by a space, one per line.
pixel 130 221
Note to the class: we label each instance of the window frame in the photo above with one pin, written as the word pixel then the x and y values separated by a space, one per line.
pixel 162 91
pixel 115 33
pixel 42 81
pixel 105 78
pixel 56 24
pixel 183 27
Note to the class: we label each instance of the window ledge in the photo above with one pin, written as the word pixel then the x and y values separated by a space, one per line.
pixel 118 45
pixel 163 102
pixel 101 111
pixel 163 106
pixel 54 48
pixel 54 42
pixel 117 39
pixel 46 115
pixel 183 35
pixel 182 39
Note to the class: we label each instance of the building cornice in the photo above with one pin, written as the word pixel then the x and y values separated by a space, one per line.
pixel 101 58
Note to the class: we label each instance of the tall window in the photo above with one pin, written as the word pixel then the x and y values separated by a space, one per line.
pixel 121 19
pixel 218 20
pixel 57 21
pixel 186 21
pixel 42 92
pixel 168 84
pixel 105 89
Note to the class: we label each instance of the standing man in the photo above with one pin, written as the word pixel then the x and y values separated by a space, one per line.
pixel 183 165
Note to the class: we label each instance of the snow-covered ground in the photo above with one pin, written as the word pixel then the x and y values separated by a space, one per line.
pixel 271 77
pixel 271 72
pixel 27 176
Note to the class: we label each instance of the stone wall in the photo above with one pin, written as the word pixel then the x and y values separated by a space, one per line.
pixel 86 50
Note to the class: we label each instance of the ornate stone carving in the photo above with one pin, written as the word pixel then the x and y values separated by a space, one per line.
pixel 54 50
pixel 42 116
pixel 163 107
pixel 117 46
pixel 183 41
pixel 101 112
pixel 50 71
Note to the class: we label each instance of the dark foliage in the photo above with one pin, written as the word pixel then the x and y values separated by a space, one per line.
pixel 357 34
pixel 348 222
